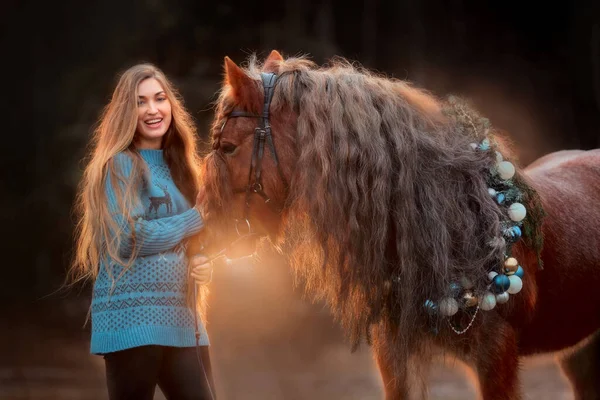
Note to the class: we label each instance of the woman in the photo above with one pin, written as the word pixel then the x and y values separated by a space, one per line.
pixel 136 206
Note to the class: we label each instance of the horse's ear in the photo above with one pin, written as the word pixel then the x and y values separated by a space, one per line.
pixel 272 62
pixel 243 87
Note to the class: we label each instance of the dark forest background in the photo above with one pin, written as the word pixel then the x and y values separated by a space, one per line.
pixel 533 67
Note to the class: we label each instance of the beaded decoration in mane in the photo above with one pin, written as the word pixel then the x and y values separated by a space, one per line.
pixel 389 213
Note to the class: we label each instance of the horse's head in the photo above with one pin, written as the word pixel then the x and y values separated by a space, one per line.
pixel 250 168
pixel 289 135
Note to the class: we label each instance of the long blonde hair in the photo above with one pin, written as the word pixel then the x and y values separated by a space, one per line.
pixel 97 232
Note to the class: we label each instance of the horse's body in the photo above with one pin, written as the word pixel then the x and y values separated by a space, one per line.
pixel 376 249
pixel 559 312
pixel 569 186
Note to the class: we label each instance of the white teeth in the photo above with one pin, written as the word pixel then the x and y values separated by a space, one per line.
pixel 153 121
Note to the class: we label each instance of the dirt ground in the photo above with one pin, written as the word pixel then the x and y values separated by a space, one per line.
pixel 267 343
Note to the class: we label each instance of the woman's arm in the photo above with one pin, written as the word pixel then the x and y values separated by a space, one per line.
pixel 150 236
pixel 158 235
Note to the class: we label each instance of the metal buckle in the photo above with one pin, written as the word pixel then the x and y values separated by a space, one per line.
pixel 237 226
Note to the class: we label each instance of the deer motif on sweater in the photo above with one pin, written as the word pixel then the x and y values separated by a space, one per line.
pixel 156 202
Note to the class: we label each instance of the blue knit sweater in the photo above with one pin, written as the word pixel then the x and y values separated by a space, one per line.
pixel 147 305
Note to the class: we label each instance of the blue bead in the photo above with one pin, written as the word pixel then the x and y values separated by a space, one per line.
pixel 501 283
pixel 485 145
pixel 455 289
pixel 516 231
pixel 431 307
pixel 512 234
pixel 520 272
pixel 500 198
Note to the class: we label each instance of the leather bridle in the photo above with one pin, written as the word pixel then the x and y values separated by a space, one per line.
pixel 262 135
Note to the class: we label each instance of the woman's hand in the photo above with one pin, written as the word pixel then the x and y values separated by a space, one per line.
pixel 201 270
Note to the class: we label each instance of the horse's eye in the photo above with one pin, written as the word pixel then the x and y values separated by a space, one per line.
pixel 228 148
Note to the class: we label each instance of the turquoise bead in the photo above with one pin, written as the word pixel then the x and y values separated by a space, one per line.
pixel 500 198
pixel 485 145
pixel 520 272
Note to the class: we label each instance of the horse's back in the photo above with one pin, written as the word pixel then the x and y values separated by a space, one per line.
pixel 556 158
pixel 568 170
pixel 568 184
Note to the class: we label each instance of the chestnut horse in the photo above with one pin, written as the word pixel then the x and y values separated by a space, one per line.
pixel 381 197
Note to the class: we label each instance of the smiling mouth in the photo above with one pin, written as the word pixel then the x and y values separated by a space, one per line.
pixel 153 122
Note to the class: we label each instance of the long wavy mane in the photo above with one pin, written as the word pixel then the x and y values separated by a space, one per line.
pixel 388 204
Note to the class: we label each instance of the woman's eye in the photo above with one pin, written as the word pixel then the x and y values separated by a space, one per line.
pixel 228 148
pixel 161 99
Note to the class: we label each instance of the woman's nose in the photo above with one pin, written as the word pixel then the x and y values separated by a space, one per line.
pixel 152 108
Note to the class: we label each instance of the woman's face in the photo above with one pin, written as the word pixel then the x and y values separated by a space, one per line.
pixel 154 114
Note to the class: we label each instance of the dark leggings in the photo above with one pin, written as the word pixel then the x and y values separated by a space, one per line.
pixel 134 373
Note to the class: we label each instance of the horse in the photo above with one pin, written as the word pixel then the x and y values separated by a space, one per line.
pixel 409 215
